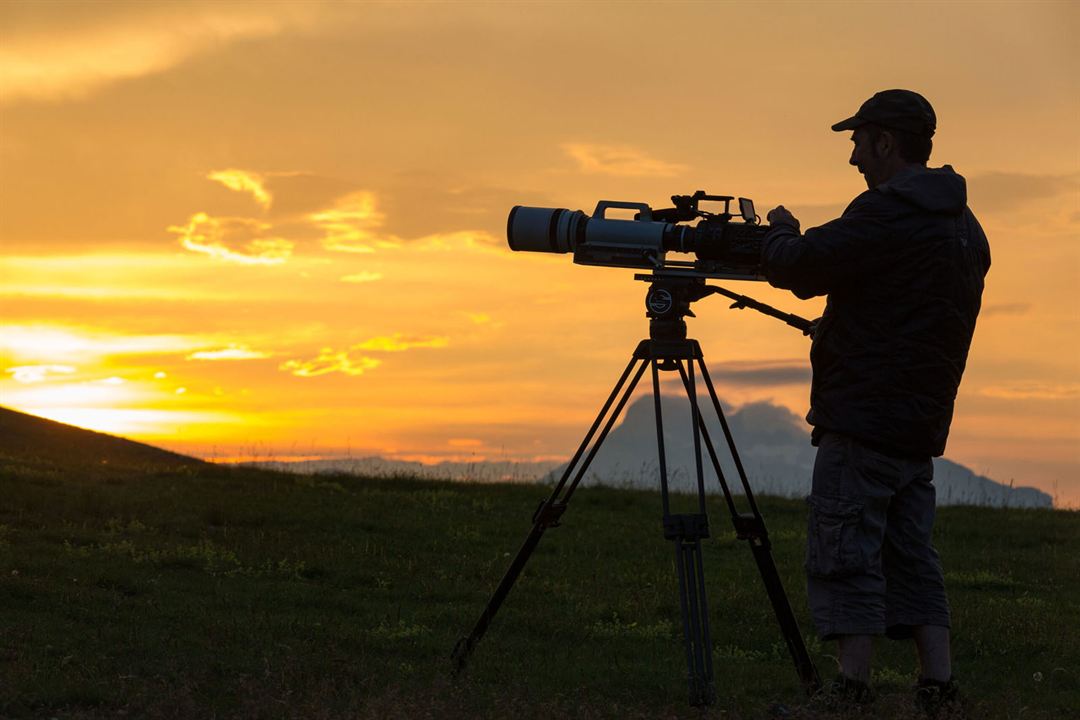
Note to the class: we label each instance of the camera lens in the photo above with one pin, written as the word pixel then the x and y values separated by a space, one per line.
pixel 553 230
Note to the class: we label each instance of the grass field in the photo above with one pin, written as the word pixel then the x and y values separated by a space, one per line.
pixel 210 592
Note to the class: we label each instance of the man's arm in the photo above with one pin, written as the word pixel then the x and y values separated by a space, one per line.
pixel 816 262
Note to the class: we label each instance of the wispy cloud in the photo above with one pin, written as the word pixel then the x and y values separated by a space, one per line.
pixel 352 224
pixel 59 345
pixel 108 47
pixel 1033 390
pixel 28 374
pixel 244 181
pixel 364 276
pixel 1020 308
pixel 463 239
pixel 399 342
pixel 762 372
pixel 329 361
pixel 619 160
pixel 997 192
pixel 232 352
pixel 239 240
pixel 354 360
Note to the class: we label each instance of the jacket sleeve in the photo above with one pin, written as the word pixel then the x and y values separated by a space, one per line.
pixel 823 258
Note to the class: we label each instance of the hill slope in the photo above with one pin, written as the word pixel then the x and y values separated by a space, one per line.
pixel 31 441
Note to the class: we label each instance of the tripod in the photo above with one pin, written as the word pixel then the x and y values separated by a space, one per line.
pixel 669 350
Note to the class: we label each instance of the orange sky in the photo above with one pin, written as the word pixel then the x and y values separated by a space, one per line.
pixel 241 228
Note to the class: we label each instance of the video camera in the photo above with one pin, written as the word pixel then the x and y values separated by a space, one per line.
pixel 725 249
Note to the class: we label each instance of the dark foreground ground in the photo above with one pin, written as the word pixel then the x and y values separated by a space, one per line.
pixel 204 592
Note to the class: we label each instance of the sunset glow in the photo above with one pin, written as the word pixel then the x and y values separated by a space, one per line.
pixel 278 229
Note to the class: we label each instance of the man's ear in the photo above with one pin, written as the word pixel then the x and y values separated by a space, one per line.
pixel 885 144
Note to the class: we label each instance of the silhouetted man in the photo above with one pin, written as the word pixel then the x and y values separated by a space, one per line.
pixel 903 269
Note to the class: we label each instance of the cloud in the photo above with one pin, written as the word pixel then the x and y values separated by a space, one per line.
pixel 999 192
pixel 484 320
pixel 55 344
pixel 364 276
pixel 239 240
pixel 762 372
pixel 1007 309
pixel 318 212
pixel 244 181
pixel 619 160
pixel 422 204
pixel 38 373
pixel 296 194
pixel 329 361
pixel 399 342
pixel 106 46
pixel 1033 390
pixel 462 239
pixel 352 224
pixel 232 352
pixel 354 361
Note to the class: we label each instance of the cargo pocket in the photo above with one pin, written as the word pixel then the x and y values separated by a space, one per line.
pixel 832 540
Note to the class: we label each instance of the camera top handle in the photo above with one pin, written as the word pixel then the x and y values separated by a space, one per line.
pixel 687 209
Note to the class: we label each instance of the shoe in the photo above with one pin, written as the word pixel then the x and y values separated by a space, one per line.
pixel 841 697
pixel 939 699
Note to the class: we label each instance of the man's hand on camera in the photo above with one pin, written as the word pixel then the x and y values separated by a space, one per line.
pixel 779 215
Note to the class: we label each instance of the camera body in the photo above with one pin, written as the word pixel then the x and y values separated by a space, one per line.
pixel 724 247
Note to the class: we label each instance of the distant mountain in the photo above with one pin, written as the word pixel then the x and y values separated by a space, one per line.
pixel 775 450
pixel 28 441
pixel 773 443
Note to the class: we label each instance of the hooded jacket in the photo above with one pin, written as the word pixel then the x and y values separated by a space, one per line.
pixel 903 269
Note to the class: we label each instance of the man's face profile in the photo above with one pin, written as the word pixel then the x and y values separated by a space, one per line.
pixel 866 157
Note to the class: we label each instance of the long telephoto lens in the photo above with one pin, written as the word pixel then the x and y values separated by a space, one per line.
pixel 553 230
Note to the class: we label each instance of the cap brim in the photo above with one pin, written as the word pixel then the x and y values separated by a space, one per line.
pixel 850 124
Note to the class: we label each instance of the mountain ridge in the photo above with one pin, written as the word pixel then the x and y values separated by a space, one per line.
pixel 773 445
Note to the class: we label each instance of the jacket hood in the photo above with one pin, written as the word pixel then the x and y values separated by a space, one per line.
pixel 934 189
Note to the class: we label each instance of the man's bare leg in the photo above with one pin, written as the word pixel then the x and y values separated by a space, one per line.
pixel 935 658
pixel 855 652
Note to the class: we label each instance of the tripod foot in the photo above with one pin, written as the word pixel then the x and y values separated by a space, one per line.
pixel 702 692
pixel 460 654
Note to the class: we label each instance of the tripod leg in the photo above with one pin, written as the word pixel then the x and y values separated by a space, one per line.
pixel 751 527
pixel 695 617
pixel 686 531
pixel 548 514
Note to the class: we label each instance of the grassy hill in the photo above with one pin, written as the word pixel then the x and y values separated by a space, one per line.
pixel 158 587
pixel 33 442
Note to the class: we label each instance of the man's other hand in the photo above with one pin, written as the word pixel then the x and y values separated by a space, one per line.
pixel 779 215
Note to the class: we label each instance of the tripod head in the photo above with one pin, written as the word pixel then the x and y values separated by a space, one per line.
pixel 667 303
pixel 670 293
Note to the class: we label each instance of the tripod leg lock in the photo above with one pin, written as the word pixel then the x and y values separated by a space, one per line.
pixel 686 527
pixel 548 513
pixel 751 527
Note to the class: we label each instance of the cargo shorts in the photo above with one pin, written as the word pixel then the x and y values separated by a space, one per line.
pixel 870 566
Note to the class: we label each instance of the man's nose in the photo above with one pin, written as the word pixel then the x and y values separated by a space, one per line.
pixel 852 160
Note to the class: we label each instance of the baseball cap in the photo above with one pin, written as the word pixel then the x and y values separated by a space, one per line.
pixel 899 109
